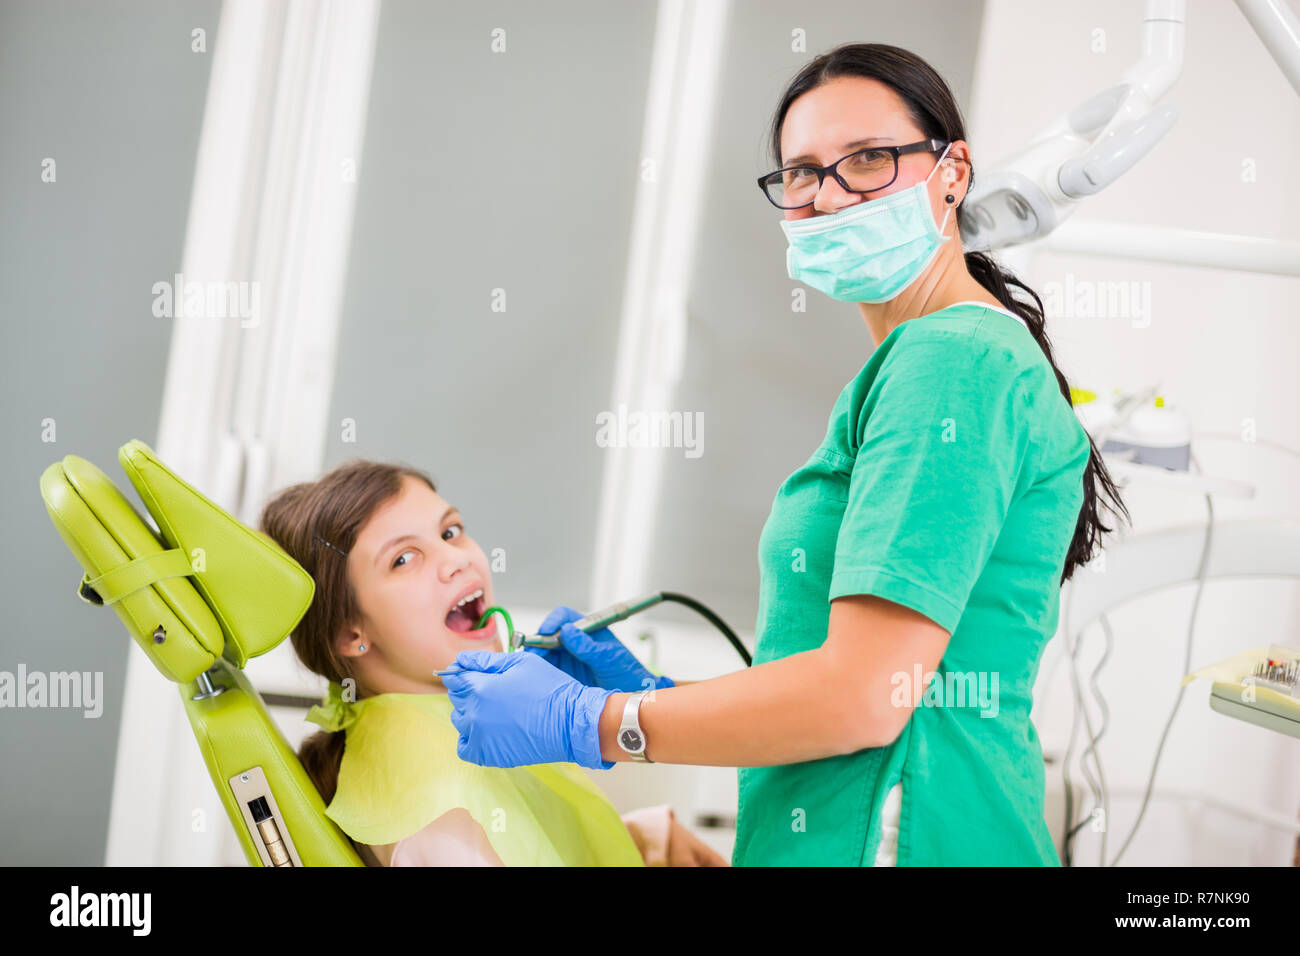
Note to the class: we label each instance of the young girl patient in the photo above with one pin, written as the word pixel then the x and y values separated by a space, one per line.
pixel 400 586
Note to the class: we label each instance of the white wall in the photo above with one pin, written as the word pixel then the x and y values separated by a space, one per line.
pixel 1224 346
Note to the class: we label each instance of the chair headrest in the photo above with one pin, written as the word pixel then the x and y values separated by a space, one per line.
pixel 203 585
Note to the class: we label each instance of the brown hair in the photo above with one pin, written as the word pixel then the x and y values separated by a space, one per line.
pixel 310 521
pixel 933 109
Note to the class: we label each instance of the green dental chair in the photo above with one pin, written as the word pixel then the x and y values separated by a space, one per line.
pixel 201 596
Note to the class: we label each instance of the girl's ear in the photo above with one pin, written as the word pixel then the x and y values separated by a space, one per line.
pixel 350 644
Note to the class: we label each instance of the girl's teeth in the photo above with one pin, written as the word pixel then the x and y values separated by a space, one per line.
pixel 470 597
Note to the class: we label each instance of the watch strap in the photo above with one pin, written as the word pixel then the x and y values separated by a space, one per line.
pixel 632 722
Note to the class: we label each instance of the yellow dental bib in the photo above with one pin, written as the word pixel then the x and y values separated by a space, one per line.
pixel 400 772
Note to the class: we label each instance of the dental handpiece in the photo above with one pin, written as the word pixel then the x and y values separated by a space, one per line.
pixel 592 622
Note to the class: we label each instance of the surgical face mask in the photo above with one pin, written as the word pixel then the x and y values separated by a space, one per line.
pixel 869 252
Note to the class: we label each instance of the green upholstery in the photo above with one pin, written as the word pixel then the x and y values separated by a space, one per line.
pixel 235 732
pixel 201 595
pixel 106 534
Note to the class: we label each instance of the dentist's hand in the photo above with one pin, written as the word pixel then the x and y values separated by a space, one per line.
pixel 598 659
pixel 516 709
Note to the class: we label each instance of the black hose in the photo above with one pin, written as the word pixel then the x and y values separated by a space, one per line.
pixel 716 621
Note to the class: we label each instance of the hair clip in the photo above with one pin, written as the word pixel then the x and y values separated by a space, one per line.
pixel 328 545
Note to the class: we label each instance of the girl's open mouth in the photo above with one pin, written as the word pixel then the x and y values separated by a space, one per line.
pixel 463 616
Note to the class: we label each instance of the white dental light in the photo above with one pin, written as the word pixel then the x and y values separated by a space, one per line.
pixel 1034 190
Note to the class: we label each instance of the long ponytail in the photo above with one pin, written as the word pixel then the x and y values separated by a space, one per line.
pixel 985 270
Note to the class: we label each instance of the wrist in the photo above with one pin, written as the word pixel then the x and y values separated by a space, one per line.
pixel 610 720
pixel 589 708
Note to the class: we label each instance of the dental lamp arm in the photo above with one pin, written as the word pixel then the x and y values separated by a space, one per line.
pixel 1279 30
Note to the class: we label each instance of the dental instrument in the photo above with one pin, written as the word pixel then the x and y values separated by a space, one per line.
pixel 517 640
pixel 510 625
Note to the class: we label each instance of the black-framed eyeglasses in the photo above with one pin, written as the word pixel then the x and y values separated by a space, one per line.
pixel 863 171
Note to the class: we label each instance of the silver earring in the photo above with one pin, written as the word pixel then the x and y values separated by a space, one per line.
pixel 362 647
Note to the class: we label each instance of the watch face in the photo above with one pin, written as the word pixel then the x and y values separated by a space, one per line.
pixel 630 740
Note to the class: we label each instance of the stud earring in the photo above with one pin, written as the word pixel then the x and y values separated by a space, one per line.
pixel 362 647
pixel 948 198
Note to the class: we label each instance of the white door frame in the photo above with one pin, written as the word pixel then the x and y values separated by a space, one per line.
pixel 245 396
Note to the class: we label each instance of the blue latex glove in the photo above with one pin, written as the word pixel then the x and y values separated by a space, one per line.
pixel 598 659
pixel 516 709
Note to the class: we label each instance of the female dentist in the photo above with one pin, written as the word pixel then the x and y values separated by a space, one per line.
pixel 910 570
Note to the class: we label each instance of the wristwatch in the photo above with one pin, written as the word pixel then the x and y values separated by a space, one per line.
pixel 630 735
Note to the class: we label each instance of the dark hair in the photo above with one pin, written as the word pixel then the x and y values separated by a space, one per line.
pixel 316 523
pixel 933 109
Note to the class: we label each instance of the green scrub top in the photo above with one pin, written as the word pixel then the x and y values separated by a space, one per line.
pixel 950 481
